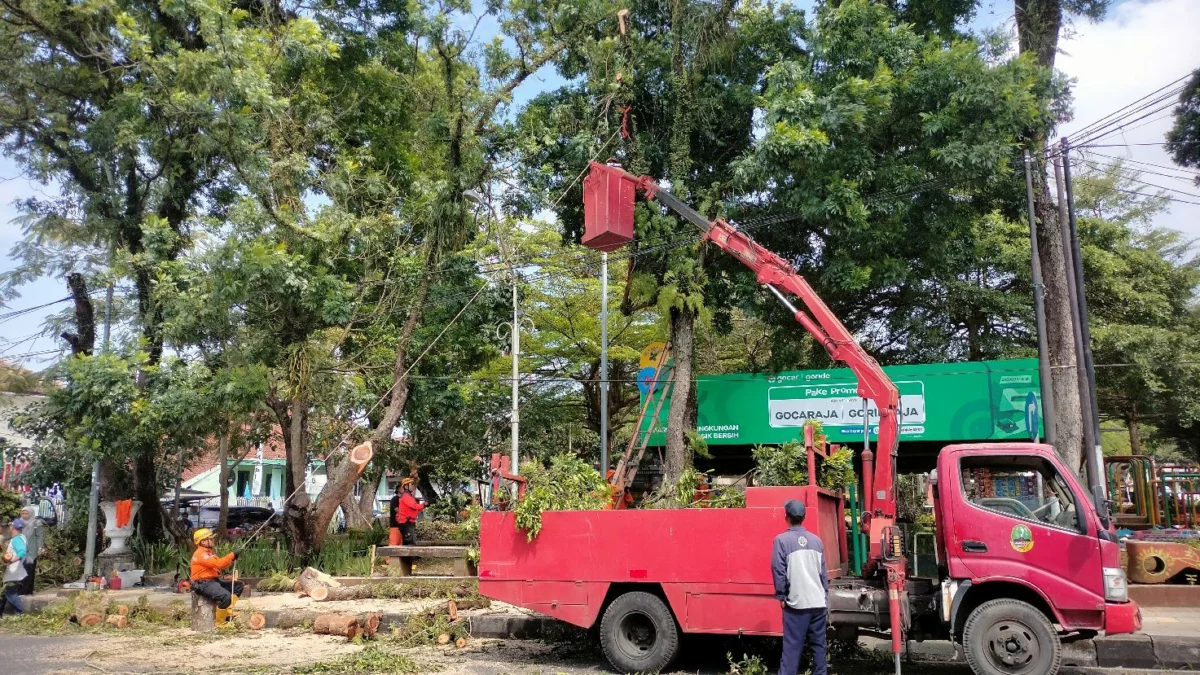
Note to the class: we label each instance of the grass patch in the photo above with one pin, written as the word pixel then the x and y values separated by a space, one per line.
pixel 55 619
pixel 372 659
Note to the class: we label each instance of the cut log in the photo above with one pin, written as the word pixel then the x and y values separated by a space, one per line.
pixel 316 584
pixel 460 642
pixel 253 621
pixel 336 624
pixel 123 610
pixel 443 639
pixel 204 614
pixel 369 623
pixel 292 619
pixel 452 610
pixel 117 620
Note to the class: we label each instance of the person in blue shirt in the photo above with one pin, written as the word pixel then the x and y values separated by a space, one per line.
pixel 802 588
pixel 14 566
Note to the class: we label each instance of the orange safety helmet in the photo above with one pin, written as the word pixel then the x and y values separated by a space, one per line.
pixel 405 482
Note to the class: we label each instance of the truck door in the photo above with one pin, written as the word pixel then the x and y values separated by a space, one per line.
pixel 1017 518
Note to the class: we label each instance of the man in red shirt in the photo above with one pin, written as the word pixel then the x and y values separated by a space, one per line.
pixel 405 512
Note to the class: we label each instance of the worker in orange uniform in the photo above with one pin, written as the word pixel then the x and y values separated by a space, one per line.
pixel 406 511
pixel 627 499
pixel 206 571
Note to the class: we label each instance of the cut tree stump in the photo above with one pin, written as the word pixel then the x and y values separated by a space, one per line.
pixel 89 609
pixel 443 639
pixel 117 620
pixel 123 610
pixel 316 584
pixel 204 614
pixel 336 624
pixel 253 621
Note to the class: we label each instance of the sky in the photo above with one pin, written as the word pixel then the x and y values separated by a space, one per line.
pixel 1140 46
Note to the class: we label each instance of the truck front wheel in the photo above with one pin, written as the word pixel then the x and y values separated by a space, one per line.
pixel 1010 637
pixel 638 634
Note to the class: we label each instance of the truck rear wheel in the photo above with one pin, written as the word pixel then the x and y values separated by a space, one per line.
pixel 638 634
pixel 1010 637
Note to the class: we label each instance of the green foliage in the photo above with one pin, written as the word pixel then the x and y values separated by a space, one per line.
pixel 784 464
pixel 278 582
pixel 750 664
pixel 1183 141
pixel 62 561
pixel 10 505
pixel 567 484
pixel 910 497
pixel 837 471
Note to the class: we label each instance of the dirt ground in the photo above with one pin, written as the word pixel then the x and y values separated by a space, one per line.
pixel 299 651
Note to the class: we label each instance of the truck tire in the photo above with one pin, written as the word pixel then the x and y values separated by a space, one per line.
pixel 638 634
pixel 1010 637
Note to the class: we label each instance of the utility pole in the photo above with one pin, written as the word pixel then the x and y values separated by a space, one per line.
pixel 1095 453
pixel 516 362
pixel 603 363
pixel 1039 311
pixel 477 198
pixel 89 557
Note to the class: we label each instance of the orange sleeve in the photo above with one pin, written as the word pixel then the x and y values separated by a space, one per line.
pixel 209 566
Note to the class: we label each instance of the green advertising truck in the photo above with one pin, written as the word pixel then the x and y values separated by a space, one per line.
pixel 940 402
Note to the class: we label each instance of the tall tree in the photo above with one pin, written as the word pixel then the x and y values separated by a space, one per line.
pixel 676 86
pixel 1183 140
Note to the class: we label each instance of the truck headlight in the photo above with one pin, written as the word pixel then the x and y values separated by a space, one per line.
pixel 1116 588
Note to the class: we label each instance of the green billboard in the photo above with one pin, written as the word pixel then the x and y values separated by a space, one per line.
pixel 976 401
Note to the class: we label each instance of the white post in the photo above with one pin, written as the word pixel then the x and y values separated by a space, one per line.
pixel 603 363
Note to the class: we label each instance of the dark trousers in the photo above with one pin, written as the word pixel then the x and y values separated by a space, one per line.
pixel 12 598
pixel 217 591
pixel 30 573
pixel 408 533
pixel 800 625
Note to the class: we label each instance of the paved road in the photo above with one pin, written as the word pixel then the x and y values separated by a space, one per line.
pixel 35 655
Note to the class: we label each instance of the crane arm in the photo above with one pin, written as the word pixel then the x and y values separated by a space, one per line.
pixel 775 273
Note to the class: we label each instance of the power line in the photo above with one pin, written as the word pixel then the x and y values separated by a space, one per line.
pixel 1127 110
pixel 1143 182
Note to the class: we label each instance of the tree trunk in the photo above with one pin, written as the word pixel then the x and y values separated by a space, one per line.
pixel 154 523
pixel 339 482
pixel 399 392
pixel 679 457
pixel 83 340
pixel 1135 439
pixel 1038 24
pixel 223 471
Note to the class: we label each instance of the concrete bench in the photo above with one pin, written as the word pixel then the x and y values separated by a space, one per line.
pixel 404 556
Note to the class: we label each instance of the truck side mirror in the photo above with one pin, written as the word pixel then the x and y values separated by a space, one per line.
pixel 1102 504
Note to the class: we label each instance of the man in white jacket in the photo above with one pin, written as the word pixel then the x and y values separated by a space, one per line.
pixel 802 587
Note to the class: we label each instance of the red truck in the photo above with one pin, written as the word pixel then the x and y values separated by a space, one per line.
pixel 1015 576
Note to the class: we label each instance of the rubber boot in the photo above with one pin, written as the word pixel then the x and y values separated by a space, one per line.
pixel 228 613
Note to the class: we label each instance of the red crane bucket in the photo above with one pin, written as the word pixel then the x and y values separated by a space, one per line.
pixel 608 194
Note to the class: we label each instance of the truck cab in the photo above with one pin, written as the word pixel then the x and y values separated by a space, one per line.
pixel 1025 557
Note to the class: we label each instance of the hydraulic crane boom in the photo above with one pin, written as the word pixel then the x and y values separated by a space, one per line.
pixel 874 385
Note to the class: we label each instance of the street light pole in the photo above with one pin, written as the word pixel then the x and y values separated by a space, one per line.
pixel 1039 310
pixel 477 198
pixel 89 556
pixel 516 363
pixel 603 363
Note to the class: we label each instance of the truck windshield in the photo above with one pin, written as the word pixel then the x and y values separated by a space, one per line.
pixel 1025 488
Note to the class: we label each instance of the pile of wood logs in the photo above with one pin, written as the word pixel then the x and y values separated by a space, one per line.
pixel 348 625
